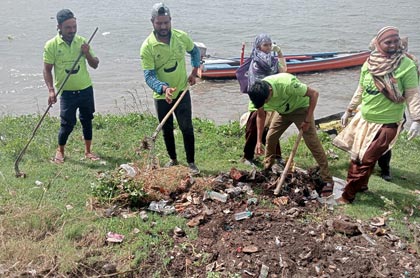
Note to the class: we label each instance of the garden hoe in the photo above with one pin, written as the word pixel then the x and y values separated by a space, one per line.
pixel 19 158
pixel 148 143
pixel 289 162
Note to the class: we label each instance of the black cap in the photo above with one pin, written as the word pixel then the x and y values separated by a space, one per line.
pixel 160 9
pixel 63 15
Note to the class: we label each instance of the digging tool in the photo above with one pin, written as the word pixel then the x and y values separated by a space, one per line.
pixel 148 143
pixel 289 162
pixel 19 158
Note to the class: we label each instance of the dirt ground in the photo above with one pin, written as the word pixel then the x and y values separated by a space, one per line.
pixel 290 235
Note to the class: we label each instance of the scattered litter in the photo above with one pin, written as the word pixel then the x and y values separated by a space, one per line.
pixel 281 201
pixel 127 215
pixel 161 207
pixel 195 221
pixel 243 215
pixel 226 211
pixel 252 201
pixel 378 222
pixel 264 271
pixel 130 170
pixel 69 207
pixel 216 196
pixel 106 33
pixel 39 183
pixel 114 237
pixel 143 215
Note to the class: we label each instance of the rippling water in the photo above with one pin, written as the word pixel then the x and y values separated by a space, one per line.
pixel 296 25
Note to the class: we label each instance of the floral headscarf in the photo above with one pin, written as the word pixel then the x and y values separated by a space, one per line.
pixel 262 64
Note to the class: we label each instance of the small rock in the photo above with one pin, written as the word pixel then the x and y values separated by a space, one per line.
pixel 250 249
pixel 109 268
pixel 346 228
pixel 179 232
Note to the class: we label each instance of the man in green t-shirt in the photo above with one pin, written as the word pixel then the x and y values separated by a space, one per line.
pixel 295 103
pixel 60 53
pixel 163 61
pixel 388 84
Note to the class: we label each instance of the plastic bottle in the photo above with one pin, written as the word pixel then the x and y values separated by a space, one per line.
pixel 217 196
pixel 243 215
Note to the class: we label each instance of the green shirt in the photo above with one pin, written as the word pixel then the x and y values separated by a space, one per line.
pixel 288 94
pixel 168 60
pixel 62 55
pixel 376 107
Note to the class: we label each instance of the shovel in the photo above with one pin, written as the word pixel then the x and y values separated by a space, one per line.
pixel 289 162
pixel 148 143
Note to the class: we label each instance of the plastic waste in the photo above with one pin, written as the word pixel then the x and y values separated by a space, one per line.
pixel 143 215
pixel 264 271
pixel 234 191
pixel 114 237
pixel 161 207
pixel 130 170
pixel 243 215
pixel 217 196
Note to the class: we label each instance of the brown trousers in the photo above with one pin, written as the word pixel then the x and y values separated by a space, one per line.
pixel 279 125
pixel 360 171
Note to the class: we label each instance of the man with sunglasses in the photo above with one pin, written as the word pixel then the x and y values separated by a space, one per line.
pixel 388 84
pixel 163 61
pixel 60 53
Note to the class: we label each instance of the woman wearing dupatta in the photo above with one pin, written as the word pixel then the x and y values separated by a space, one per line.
pixel 388 84
pixel 262 64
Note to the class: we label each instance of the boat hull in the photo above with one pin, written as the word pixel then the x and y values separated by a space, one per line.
pixel 226 68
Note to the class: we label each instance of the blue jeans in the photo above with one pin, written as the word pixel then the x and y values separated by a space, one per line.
pixel 70 101
pixel 183 116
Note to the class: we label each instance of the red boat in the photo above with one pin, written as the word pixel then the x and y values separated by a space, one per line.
pixel 226 68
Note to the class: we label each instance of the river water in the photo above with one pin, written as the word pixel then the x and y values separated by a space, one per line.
pixel 298 26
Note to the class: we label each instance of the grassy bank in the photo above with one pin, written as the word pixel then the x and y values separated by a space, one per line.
pixel 46 220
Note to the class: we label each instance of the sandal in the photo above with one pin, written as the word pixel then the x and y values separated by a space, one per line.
pixel 327 190
pixel 58 158
pixel 92 156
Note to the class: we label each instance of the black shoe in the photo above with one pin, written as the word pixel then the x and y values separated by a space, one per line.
pixel 386 177
pixel 171 163
pixel 193 169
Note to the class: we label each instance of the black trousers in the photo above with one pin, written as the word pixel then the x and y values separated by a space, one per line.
pixel 183 114
pixel 70 101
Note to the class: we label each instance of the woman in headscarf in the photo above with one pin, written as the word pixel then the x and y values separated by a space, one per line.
pixel 388 84
pixel 262 64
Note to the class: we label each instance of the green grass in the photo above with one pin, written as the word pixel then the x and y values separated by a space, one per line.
pixel 36 228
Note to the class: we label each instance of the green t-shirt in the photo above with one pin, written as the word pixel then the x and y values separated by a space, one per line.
pixel 168 60
pixel 58 53
pixel 288 94
pixel 376 107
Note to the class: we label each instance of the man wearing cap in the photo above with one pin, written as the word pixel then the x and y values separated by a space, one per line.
pixel 163 61
pixel 295 103
pixel 388 84
pixel 60 53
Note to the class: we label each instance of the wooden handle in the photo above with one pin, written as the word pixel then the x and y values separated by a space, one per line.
pixel 159 127
pixel 289 162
